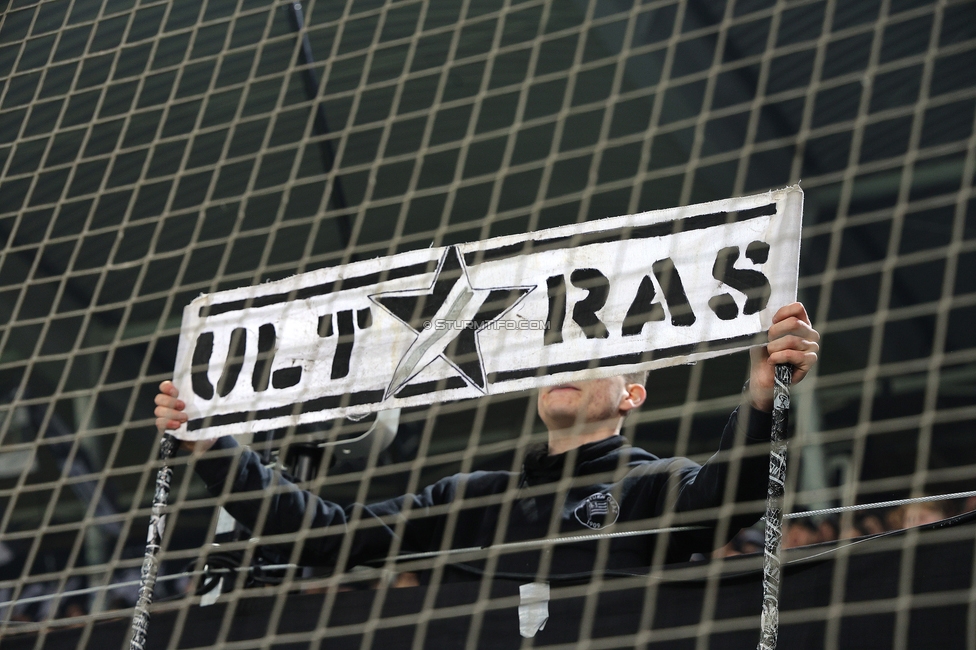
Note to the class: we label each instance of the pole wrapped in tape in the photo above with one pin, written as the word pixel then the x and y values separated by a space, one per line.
pixel 157 525
pixel 774 508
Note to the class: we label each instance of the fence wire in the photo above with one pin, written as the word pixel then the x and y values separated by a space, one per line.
pixel 151 151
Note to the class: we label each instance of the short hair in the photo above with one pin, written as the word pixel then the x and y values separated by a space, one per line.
pixel 638 377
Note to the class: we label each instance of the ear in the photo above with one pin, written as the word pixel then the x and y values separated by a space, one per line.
pixel 636 394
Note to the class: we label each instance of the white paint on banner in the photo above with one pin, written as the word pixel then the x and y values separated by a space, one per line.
pixel 587 300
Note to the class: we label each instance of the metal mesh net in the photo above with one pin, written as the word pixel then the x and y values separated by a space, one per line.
pixel 152 151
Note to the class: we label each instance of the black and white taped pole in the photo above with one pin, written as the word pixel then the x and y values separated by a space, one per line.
pixel 774 508
pixel 157 525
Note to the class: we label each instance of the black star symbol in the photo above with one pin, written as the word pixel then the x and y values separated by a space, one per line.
pixel 450 298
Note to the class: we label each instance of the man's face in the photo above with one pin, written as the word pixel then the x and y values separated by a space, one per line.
pixel 582 402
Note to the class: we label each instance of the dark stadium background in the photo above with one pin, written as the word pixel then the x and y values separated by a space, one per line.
pixel 167 151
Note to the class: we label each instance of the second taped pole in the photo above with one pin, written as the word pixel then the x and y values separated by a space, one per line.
pixel 772 577
pixel 157 525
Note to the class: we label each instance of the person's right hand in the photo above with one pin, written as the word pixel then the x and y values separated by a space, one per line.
pixel 170 415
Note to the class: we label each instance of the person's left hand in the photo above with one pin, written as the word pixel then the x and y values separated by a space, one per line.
pixel 791 340
pixel 170 415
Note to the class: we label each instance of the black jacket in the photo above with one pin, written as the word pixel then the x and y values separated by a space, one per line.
pixel 628 485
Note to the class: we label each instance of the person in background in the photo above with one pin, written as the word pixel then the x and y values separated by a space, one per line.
pixel 916 514
pixel 800 532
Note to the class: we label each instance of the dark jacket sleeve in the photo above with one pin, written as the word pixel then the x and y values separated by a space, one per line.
pixel 322 523
pixel 695 487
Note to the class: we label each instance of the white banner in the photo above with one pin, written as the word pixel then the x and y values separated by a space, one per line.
pixel 511 313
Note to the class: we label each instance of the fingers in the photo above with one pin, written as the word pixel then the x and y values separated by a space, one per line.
pixel 792 310
pixel 793 326
pixel 164 424
pixel 792 342
pixel 169 402
pixel 168 419
pixel 169 408
pixel 801 361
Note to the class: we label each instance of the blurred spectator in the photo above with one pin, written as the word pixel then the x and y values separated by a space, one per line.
pixel 747 540
pixel 27 610
pixel 125 595
pixel 800 532
pixel 42 609
pixel 829 529
pixel 864 524
pixel 916 514
pixel 406 579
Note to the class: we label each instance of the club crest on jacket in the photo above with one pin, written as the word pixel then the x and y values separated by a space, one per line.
pixel 597 511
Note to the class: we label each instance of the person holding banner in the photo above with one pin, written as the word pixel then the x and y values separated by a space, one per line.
pixel 604 483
